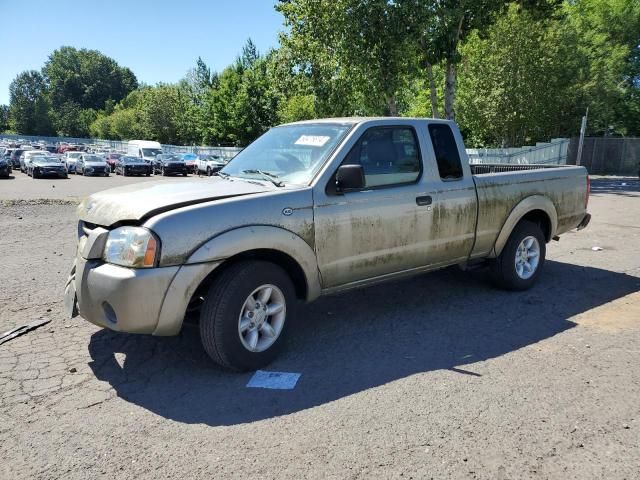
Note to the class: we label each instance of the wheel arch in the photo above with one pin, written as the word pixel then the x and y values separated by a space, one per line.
pixel 286 250
pixel 536 208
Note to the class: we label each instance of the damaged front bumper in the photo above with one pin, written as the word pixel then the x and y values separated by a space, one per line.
pixel 133 300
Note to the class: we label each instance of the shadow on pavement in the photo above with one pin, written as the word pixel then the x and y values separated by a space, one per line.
pixel 617 186
pixel 348 343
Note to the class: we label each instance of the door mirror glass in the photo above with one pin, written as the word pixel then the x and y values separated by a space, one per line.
pixel 350 177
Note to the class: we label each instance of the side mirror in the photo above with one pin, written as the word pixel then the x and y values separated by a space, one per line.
pixel 349 177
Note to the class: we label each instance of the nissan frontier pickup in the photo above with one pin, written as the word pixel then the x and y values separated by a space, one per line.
pixel 311 208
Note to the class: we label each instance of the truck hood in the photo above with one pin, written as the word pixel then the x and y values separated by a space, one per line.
pixel 143 200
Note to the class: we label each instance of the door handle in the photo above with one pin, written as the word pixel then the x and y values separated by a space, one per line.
pixel 424 200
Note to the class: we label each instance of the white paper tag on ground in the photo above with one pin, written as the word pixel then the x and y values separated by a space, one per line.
pixel 312 140
pixel 274 380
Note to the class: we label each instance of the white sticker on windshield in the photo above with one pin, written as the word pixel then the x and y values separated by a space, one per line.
pixel 312 140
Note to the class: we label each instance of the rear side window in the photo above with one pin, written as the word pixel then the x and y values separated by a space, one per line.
pixel 446 150
pixel 388 155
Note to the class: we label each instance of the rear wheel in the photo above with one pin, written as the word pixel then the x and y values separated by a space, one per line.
pixel 245 315
pixel 521 260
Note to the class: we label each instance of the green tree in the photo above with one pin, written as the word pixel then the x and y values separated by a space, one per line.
pixel 440 28
pixel 608 39
pixel 81 82
pixel 28 104
pixel 4 118
pixel 355 52
pixel 517 84
pixel 244 102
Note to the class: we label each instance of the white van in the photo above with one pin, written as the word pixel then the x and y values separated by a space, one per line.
pixel 145 149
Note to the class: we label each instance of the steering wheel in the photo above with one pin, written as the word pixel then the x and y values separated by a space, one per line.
pixel 288 162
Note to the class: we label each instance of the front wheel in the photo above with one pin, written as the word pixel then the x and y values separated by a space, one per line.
pixel 521 260
pixel 245 315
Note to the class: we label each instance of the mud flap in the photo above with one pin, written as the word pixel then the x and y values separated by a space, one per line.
pixel 70 296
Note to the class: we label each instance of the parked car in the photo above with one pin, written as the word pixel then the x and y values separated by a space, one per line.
pixel 112 159
pixel 89 164
pixel 46 166
pixel 210 164
pixel 5 167
pixel 312 208
pixel 190 161
pixel 27 156
pixel 169 164
pixel 8 154
pixel 70 159
pixel 129 166
pixel 15 157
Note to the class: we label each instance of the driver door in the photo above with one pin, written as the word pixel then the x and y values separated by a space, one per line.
pixel 384 227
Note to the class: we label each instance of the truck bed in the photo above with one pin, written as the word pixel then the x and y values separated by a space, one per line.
pixel 500 187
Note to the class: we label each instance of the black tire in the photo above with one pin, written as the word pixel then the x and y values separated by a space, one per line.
pixel 208 171
pixel 163 173
pixel 34 175
pixel 503 268
pixel 223 304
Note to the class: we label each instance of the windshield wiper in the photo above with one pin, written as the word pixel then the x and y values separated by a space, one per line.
pixel 223 174
pixel 266 176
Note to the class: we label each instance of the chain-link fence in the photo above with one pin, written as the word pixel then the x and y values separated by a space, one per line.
pixel 607 156
pixel 551 153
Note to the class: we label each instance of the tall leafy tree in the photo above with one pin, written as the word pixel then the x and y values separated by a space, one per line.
pixel 441 27
pixel 80 80
pixel 353 50
pixel 4 118
pixel 28 104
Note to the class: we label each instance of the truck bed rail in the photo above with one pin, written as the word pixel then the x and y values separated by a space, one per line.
pixel 485 168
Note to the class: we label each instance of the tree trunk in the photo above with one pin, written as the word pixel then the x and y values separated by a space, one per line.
pixel 433 92
pixel 392 106
pixel 450 90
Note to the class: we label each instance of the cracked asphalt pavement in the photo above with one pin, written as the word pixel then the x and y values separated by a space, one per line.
pixel 438 376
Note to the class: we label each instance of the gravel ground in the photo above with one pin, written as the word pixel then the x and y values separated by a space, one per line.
pixel 439 376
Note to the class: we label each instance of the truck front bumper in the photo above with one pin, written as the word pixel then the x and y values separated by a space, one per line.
pixel 142 300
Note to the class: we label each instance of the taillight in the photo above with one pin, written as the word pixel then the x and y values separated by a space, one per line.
pixel 586 199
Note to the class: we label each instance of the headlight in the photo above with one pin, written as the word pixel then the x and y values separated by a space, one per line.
pixel 131 247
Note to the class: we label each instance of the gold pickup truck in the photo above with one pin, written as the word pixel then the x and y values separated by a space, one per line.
pixel 311 208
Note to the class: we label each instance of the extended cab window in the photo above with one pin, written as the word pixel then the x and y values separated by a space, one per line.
pixel 388 155
pixel 446 150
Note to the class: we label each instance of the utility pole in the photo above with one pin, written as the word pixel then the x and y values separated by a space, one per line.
pixel 583 129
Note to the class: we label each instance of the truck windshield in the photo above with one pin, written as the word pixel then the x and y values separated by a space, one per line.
pixel 290 154
pixel 150 152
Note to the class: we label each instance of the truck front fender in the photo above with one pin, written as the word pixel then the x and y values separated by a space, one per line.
pixel 527 205
pixel 261 237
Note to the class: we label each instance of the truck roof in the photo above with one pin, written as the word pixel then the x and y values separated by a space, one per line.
pixel 357 120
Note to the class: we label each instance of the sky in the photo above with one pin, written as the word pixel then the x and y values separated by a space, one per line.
pixel 158 40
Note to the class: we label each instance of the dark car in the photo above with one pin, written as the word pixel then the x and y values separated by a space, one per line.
pixel 15 157
pixel 46 166
pixel 132 166
pixel 5 167
pixel 168 164
pixel 89 164
pixel 112 159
